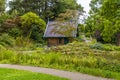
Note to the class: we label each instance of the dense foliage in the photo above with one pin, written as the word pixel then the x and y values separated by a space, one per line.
pixel 27 26
pixel 104 20
pixel 44 8
pixel 33 26
pixel 25 19
pixel 2 6
pixel 30 19
pixel 81 57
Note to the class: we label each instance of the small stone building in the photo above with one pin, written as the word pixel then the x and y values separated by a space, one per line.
pixel 60 33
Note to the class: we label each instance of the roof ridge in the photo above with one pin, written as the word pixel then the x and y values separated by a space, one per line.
pixel 46 28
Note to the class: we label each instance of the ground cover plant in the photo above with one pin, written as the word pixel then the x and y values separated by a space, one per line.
pixel 12 74
pixel 76 56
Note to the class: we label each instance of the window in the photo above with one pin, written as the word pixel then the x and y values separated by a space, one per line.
pixel 66 40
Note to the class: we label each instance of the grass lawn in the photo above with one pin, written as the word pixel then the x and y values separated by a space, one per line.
pixel 12 74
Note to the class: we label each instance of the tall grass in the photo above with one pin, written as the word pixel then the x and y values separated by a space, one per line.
pixel 90 64
pixel 74 57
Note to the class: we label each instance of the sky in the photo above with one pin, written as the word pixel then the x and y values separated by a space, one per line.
pixel 85 4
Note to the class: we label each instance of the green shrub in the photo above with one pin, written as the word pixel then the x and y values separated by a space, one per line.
pixel 110 47
pixel 112 67
pixel 2 47
pixel 6 54
pixel 72 48
pixel 29 20
pixel 106 47
pixel 96 46
pixel 15 32
pixel 24 42
pixel 36 34
pixel 6 40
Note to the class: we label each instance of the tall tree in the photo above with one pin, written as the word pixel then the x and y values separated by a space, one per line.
pixel 105 20
pixel 110 12
pixel 33 26
pixel 94 18
pixel 2 5
pixel 44 8
pixel 95 6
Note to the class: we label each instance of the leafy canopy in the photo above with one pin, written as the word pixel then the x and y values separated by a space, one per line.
pixel 105 18
pixel 2 5
pixel 44 8
pixel 30 19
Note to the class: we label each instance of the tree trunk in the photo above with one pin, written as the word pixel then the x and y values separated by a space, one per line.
pixel 97 35
pixel 118 39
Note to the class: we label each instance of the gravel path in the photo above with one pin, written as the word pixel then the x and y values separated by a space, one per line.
pixel 60 73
